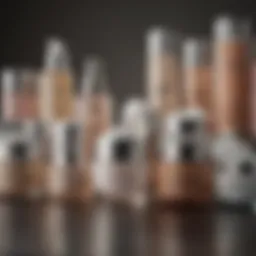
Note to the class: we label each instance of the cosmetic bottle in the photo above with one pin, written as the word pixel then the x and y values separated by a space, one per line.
pixel 185 173
pixel 196 69
pixel 231 80
pixel 68 178
pixel 120 168
pixel 56 83
pixel 163 70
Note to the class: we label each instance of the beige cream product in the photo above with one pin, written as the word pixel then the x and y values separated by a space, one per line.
pixel 231 81
pixel 196 70
pixel 163 70
pixel 119 170
pixel 97 102
pixel 67 176
pixel 185 173
pixel 56 87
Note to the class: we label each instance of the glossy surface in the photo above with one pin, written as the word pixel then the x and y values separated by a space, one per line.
pixel 36 229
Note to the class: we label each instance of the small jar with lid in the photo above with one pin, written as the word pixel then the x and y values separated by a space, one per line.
pixel 185 173
pixel 120 173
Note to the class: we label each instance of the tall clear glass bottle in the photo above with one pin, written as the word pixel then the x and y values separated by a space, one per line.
pixel 19 95
pixel 9 83
pixel 231 74
pixel 97 102
pixel 197 75
pixel 163 70
pixel 56 83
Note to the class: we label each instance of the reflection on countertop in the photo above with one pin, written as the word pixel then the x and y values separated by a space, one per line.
pixel 110 230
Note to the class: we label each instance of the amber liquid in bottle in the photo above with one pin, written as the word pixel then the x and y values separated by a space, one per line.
pixel 232 77
pixel 56 84
pixel 163 71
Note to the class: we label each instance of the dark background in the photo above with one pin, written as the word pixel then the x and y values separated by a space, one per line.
pixel 114 30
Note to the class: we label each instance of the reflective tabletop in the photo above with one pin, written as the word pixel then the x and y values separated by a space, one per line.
pixel 109 230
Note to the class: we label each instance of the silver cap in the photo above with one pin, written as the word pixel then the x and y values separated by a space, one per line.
pixel 195 52
pixel 95 78
pixel 162 40
pixel 56 54
pixel 227 27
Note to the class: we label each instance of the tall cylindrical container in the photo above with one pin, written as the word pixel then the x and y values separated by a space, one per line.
pixel 97 103
pixel 19 95
pixel 163 70
pixel 9 84
pixel 141 119
pixel 56 83
pixel 197 75
pixel 253 90
pixel 231 74
pixel 27 102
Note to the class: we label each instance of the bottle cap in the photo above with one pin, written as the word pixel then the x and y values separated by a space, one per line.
pixel 56 54
pixel 227 27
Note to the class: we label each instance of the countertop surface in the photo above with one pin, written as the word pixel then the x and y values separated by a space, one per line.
pixel 107 230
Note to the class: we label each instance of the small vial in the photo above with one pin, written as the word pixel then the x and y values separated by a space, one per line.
pixel 120 168
pixel 68 177
pixel 97 103
pixel 163 70
pixel 231 74
pixel 185 175
pixel 197 75
pixel 56 83
pixel 139 117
